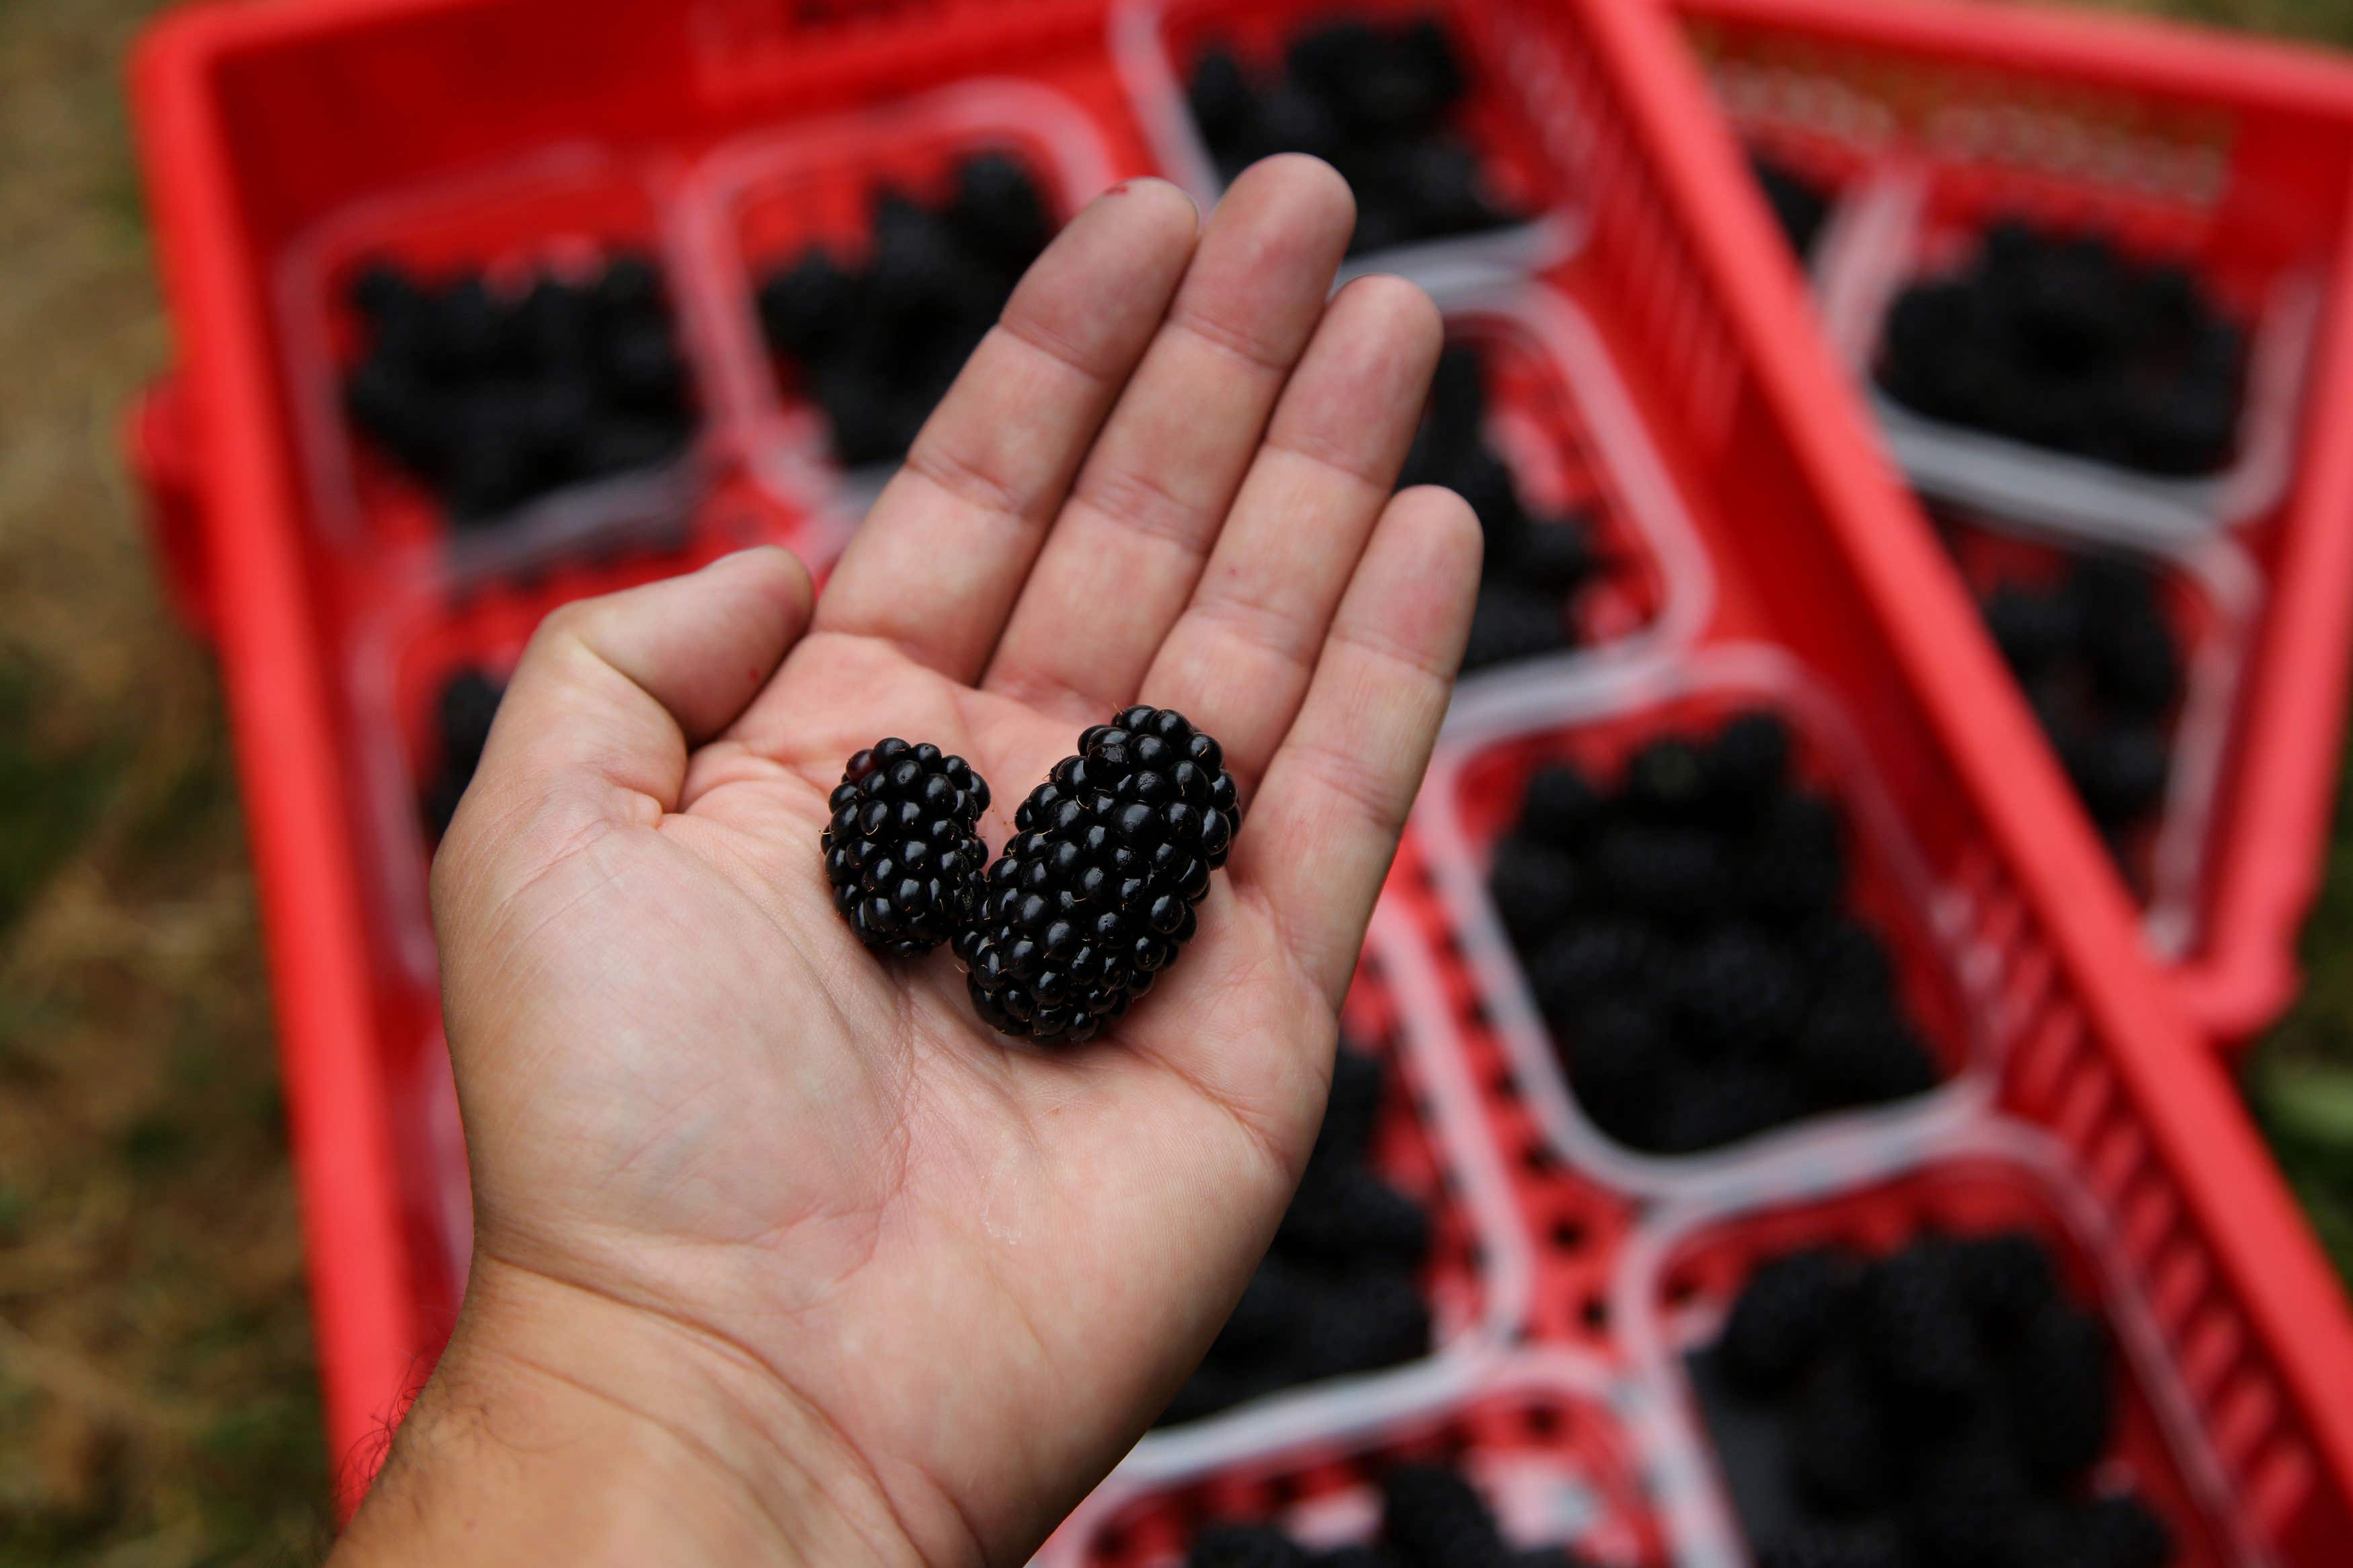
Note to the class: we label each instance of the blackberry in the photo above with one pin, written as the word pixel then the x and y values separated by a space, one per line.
pixel 1971 1506
pixel 1834 1546
pixel 901 850
pixel 1245 1546
pixel 1839 1452
pixel 1278 1299
pixel 2120 771
pixel 1916 1327
pixel 2062 1395
pixel 1855 1049
pixel 1095 894
pixel 2007 1280
pixel 1346 1213
pixel 1800 205
pixel 1557 556
pixel 1710 1106
pixel 2033 630
pixel 1666 778
pixel 2120 1532
pixel 1535 886
pixel 1846 959
pixel 1434 1519
pixel 1588 959
pixel 1352 1106
pixel 1660 870
pixel 1789 1309
pixel 1747 763
pixel 1618 1063
pixel 1357 1554
pixel 1739 991
pixel 1795 867
pixel 1374 1319
pixel 1509 624
pixel 1559 806
pixel 463 712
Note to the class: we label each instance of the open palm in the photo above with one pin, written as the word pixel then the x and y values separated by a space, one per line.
pixel 968 1269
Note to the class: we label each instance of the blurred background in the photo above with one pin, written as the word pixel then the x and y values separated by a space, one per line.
pixel 157 1396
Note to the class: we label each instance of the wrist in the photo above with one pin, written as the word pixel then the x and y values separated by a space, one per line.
pixel 566 1426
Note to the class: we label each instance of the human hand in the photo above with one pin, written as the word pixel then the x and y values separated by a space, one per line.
pixel 779 1250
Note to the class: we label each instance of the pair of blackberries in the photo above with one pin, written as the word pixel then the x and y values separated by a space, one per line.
pixel 1536 568
pixel 1377 102
pixel 1941 1405
pixel 876 342
pixel 1339 1292
pixel 1431 1517
pixel 492 397
pixel 1092 898
pixel 2103 667
pixel 1687 936
pixel 1800 205
pixel 2066 343
pixel 468 703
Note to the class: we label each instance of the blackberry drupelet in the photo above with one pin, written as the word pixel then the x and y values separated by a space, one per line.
pixel 1095 895
pixel 902 849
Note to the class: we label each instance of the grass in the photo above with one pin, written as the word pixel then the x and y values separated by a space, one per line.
pixel 157 1403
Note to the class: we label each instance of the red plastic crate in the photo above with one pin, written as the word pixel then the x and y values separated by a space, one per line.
pixel 262 121
pixel 2234 154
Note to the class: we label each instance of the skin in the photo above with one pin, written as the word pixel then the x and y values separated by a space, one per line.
pixel 781 1255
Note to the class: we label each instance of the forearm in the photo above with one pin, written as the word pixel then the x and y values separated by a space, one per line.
pixel 562 1428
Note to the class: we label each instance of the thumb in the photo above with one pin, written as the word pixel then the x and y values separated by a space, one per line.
pixel 612 694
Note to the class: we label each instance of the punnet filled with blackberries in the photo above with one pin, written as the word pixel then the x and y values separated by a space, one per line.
pixel 2129 656
pixel 1713 925
pixel 1935 1370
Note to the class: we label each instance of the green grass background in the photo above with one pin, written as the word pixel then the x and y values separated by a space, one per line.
pixel 156 1397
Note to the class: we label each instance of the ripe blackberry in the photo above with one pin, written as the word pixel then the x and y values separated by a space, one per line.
pixel 2007 1279
pixel 1794 868
pixel 1616 1049
pixel 1345 1213
pixel 2034 630
pixel 1789 1309
pixel 1800 205
pixel 1434 1519
pixel 1835 1546
pixel 901 849
pixel 1559 806
pixel 1245 1546
pixel 1747 765
pixel 1588 959
pixel 1840 1458
pixel 1916 1327
pixel 1739 991
pixel 1535 886
pixel 1667 778
pixel 1368 1322
pixel 1855 1049
pixel 1352 1106
pixel 1660 870
pixel 462 713
pixel 1845 958
pixel 1094 896
pixel 1971 1505
pixel 1709 1105
pixel 2062 1393
pixel 1510 624
pixel 2119 1531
